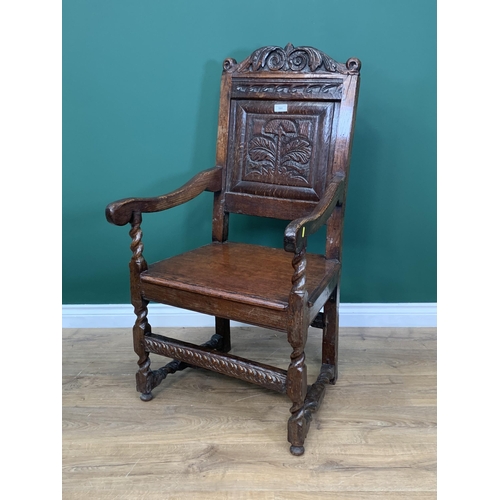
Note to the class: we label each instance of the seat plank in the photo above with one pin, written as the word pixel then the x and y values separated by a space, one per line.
pixel 239 272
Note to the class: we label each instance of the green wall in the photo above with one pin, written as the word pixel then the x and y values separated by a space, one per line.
pixel 140 97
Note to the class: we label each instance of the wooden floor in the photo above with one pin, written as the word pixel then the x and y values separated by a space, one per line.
pixel 206 436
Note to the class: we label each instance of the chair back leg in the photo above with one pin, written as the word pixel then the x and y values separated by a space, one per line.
pixel 330 347
pixel 222 328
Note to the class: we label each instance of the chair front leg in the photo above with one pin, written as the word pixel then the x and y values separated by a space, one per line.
pixel 297 370
pixel 296 391
pixel 141 327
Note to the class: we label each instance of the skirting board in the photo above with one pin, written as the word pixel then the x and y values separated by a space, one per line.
pixel 351 315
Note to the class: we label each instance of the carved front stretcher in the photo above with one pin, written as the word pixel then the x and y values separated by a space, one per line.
pixel 285 126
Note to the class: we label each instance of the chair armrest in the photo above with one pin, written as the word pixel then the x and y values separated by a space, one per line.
pixel 120 212
pixel 296 232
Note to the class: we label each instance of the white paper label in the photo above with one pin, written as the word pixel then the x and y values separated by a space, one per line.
pixel 280 108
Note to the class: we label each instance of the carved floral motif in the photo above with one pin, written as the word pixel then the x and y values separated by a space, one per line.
pixel 279 153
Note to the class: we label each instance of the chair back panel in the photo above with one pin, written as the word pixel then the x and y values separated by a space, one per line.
pixel 280 112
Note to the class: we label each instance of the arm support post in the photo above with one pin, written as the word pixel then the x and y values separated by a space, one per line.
pixel 296 232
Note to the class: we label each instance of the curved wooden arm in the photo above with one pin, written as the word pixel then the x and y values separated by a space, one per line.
pixel 120 212
pixel 296 232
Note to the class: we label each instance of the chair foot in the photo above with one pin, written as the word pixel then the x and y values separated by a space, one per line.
pixel 146 396
pixel 297 450
pixel 333 380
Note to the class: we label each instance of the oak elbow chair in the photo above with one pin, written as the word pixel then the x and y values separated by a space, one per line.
pixel 286 121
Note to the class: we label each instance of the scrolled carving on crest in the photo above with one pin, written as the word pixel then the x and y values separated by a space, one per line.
pixel 290 58
pixel 229 64
pixel 353 65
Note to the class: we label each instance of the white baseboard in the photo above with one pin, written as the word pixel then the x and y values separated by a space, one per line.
pixel 351 315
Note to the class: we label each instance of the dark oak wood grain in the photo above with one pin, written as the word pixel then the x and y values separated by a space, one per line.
pixel 298 230
pixel 226 271
pixel 286 120
pixel 120 212
pixel 205 357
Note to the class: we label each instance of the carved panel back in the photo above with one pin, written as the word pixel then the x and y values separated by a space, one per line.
pixel 278 149
pixel 281 118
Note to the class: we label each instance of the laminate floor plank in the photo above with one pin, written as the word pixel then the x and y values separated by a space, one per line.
pixel 208 436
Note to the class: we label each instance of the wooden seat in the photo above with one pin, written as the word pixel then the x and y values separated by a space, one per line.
pixel 238 272
pixel 286 119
